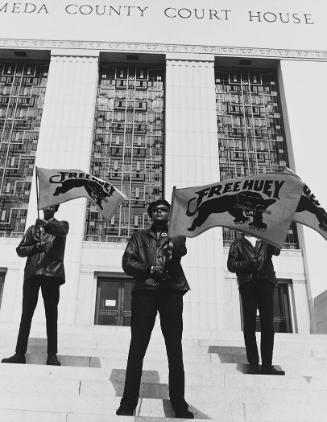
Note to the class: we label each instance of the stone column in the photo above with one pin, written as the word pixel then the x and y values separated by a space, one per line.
pixel 303 92
pixel 65 142
pixel 192 160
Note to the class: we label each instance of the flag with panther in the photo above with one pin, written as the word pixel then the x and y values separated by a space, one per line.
pixel 262 205
pixel 57 186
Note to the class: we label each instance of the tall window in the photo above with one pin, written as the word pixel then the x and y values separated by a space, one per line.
pixel 250 128
pixel 22 90
pixel 128 147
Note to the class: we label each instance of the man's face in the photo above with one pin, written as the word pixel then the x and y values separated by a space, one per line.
pixel 49 212
pixel 160 213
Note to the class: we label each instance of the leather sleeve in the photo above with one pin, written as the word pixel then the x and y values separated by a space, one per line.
pixel 130 263
pixel 235 263
pixel 273 250
pixel 57 228
pixel 27 244
pixel 179 249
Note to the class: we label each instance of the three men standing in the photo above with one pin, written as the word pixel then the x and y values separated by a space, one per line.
pixel 44 246
pixel 251 260
pixel 154 261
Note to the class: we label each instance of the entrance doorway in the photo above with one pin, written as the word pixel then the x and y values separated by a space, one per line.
pixel 282 308
pixel 113 301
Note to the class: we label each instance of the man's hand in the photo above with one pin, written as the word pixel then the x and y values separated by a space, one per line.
pixel 169 251
pixel 157 272
pixel 40 247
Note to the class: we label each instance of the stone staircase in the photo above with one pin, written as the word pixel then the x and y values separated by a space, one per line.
pixel 89 384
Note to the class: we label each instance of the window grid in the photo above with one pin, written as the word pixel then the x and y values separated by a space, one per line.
pixel 22 91
pixel 251 135
pixel 128 146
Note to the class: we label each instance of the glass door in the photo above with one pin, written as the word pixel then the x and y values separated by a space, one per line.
pixel 113 302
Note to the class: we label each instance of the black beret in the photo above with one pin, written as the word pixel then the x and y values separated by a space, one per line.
pixel 155 204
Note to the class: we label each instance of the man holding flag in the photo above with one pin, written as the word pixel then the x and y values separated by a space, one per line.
pixel 262 205
pixel 44 246
pixel 160 284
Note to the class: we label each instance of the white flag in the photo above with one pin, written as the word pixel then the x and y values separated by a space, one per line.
pixel 262 205
pixel 57 186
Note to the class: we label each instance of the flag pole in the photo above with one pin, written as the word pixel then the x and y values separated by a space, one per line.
pixel 37 193
pixel 171 209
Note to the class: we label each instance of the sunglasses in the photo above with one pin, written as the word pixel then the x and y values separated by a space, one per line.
pixel 162 209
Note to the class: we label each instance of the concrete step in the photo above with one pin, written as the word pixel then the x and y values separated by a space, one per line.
pixel 26 416
pixel 256 404
pixel 293 369
pixel 117 349
pixel 151 374
pixel 237 354
pixel 225 375
pixel 89 385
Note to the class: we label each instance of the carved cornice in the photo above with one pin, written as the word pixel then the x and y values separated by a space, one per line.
pixel 252 52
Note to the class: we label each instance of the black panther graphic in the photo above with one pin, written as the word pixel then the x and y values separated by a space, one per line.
pixel 305 204
pixel 241 206
pixel 94 189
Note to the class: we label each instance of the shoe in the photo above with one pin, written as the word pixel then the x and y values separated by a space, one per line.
pixel 253 369
pixel 16 358
pixel 124 411
pixel 271 370
pixel 53 360
pixel 185 414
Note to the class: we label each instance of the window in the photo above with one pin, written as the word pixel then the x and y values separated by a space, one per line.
pixel 137 127
pixel 113 300
pixel 21 105
pixel 252 118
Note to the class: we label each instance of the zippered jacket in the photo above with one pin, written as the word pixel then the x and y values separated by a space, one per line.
pixel 50 262
pixel 252 263
pixel 145 250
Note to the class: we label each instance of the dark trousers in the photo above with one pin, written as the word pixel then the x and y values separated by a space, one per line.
pixel 145 305
pixel 50 292
pixel 258 294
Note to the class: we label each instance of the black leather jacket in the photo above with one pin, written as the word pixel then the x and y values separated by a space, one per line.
pixel 144 250
pixel 51 262
pixel 252 263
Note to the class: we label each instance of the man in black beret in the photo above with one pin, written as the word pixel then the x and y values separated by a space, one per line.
pixel 44 246
pixel 154 261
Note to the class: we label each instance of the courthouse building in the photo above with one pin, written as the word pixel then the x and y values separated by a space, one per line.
pixel 148 95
